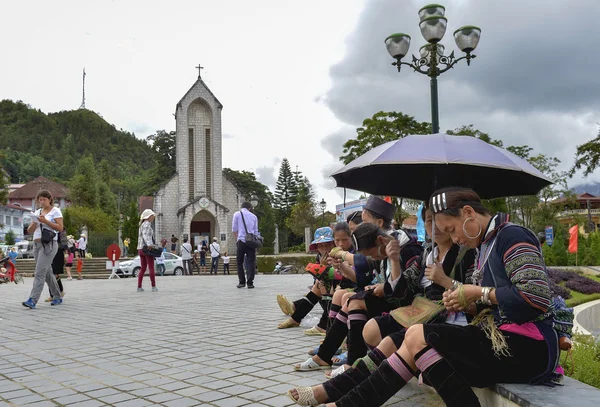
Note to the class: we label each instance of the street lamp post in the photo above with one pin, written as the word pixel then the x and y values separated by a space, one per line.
pixel 254 201
pixel 432 61
pixel 323 205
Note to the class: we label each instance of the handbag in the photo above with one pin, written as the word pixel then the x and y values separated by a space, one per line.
pixel 153 250
pixel 253 241
pixel 47 235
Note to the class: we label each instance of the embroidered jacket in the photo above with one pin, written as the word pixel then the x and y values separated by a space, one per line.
pixel 515 267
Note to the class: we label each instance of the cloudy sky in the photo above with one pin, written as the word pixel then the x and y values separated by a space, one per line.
pixel 297 78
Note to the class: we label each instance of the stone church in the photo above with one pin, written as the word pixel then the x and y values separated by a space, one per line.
pixel 198 202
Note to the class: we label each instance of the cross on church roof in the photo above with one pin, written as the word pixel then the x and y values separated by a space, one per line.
pixel 199 68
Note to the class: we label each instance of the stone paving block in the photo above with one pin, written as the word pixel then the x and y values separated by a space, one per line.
pixel 33 398
pixel 43 403
pixel 279 401
pixel 231 402
pixel 258 395
pixel 74 398
pixel 211 396
pixel 115 398
pixel 88 403
pixel 183 402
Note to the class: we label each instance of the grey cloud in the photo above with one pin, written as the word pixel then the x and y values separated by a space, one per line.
pixel 533 82
pixel 334 142
pixel 266 175
pixel 228 136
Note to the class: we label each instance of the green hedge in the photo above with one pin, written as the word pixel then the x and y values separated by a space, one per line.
pixel 266 264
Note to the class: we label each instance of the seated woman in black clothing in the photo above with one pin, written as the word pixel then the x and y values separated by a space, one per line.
pixel 350 320
pixel 511 340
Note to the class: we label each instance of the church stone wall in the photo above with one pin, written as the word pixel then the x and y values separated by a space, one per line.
pixel 166 206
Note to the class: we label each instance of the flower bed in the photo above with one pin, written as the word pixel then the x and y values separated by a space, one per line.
pixel 563 280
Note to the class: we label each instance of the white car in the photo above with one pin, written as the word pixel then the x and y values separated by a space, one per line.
pixel 173 265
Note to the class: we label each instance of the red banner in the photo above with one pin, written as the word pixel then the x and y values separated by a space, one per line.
pixel 573 236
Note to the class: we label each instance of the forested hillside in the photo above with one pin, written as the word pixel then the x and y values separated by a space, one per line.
pixel 34 143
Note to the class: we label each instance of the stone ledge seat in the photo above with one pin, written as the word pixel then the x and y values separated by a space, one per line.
pixel 573 393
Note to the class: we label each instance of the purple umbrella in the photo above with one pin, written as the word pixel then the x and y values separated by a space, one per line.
pixel 414 166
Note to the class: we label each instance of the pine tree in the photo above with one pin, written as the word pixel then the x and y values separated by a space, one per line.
pixel 285 190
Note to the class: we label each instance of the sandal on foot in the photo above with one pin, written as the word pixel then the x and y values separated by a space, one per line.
pixel 309 365
pixel 314 331
pixel 330 374
pixel 306 396
pixel 288 323
pixel 287 307
pixel 314 351
pixel 342 359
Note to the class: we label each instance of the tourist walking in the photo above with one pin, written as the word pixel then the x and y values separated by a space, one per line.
pixel 186 257
pixel 146 240
pixel 202 252
pixel 215 253
pixel 82 245
pixel 245 222
pixel 47 223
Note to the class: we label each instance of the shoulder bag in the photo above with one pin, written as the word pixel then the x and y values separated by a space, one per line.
pixel 253 241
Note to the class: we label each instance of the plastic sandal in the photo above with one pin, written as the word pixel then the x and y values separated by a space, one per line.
pixel 314 331
pixel 306 397
pixel 288 323
pixel 287 307
pixel 342 359
pixel 309 365
pixel 314 351
pixel 330 374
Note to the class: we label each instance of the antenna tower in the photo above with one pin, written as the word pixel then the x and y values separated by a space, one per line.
pixel 83 97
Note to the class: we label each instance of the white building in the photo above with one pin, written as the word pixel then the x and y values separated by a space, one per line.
pixel 11 218
pixel 198 201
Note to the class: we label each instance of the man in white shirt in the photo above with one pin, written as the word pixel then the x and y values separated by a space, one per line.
pixel 186 256
pixel 82 245
pixel 239 233
pixel 214 254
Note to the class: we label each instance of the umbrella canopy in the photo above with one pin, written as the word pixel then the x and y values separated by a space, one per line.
pixel 414 166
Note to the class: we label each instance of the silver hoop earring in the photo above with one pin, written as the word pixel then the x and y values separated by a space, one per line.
pixel 465 231
pixel 379 251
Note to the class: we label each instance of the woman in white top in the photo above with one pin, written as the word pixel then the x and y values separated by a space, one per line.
pixel 146 238
pixel 48 221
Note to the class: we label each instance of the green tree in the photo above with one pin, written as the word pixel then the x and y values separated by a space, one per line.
pixel 285 191
pixel 301 216
pixel 107 201
pixel 130 226
pixel 96 220
pixel 3 183
pixel 379 129
pixel 164 145
pixel 472 132
pixel 10 238
pixel 83 188
pixel 587 157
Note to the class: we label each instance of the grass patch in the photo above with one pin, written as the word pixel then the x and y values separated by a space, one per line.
pixel 578 298
pixel 585 362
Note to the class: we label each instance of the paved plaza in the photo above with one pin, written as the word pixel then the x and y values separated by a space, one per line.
pixel 199 341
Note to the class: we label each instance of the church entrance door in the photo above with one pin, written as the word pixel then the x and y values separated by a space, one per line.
pixel 202 228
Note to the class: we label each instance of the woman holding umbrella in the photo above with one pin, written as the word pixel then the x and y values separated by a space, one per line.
pixel 511 340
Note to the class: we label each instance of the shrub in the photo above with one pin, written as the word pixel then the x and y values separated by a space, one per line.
pixel 584 365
